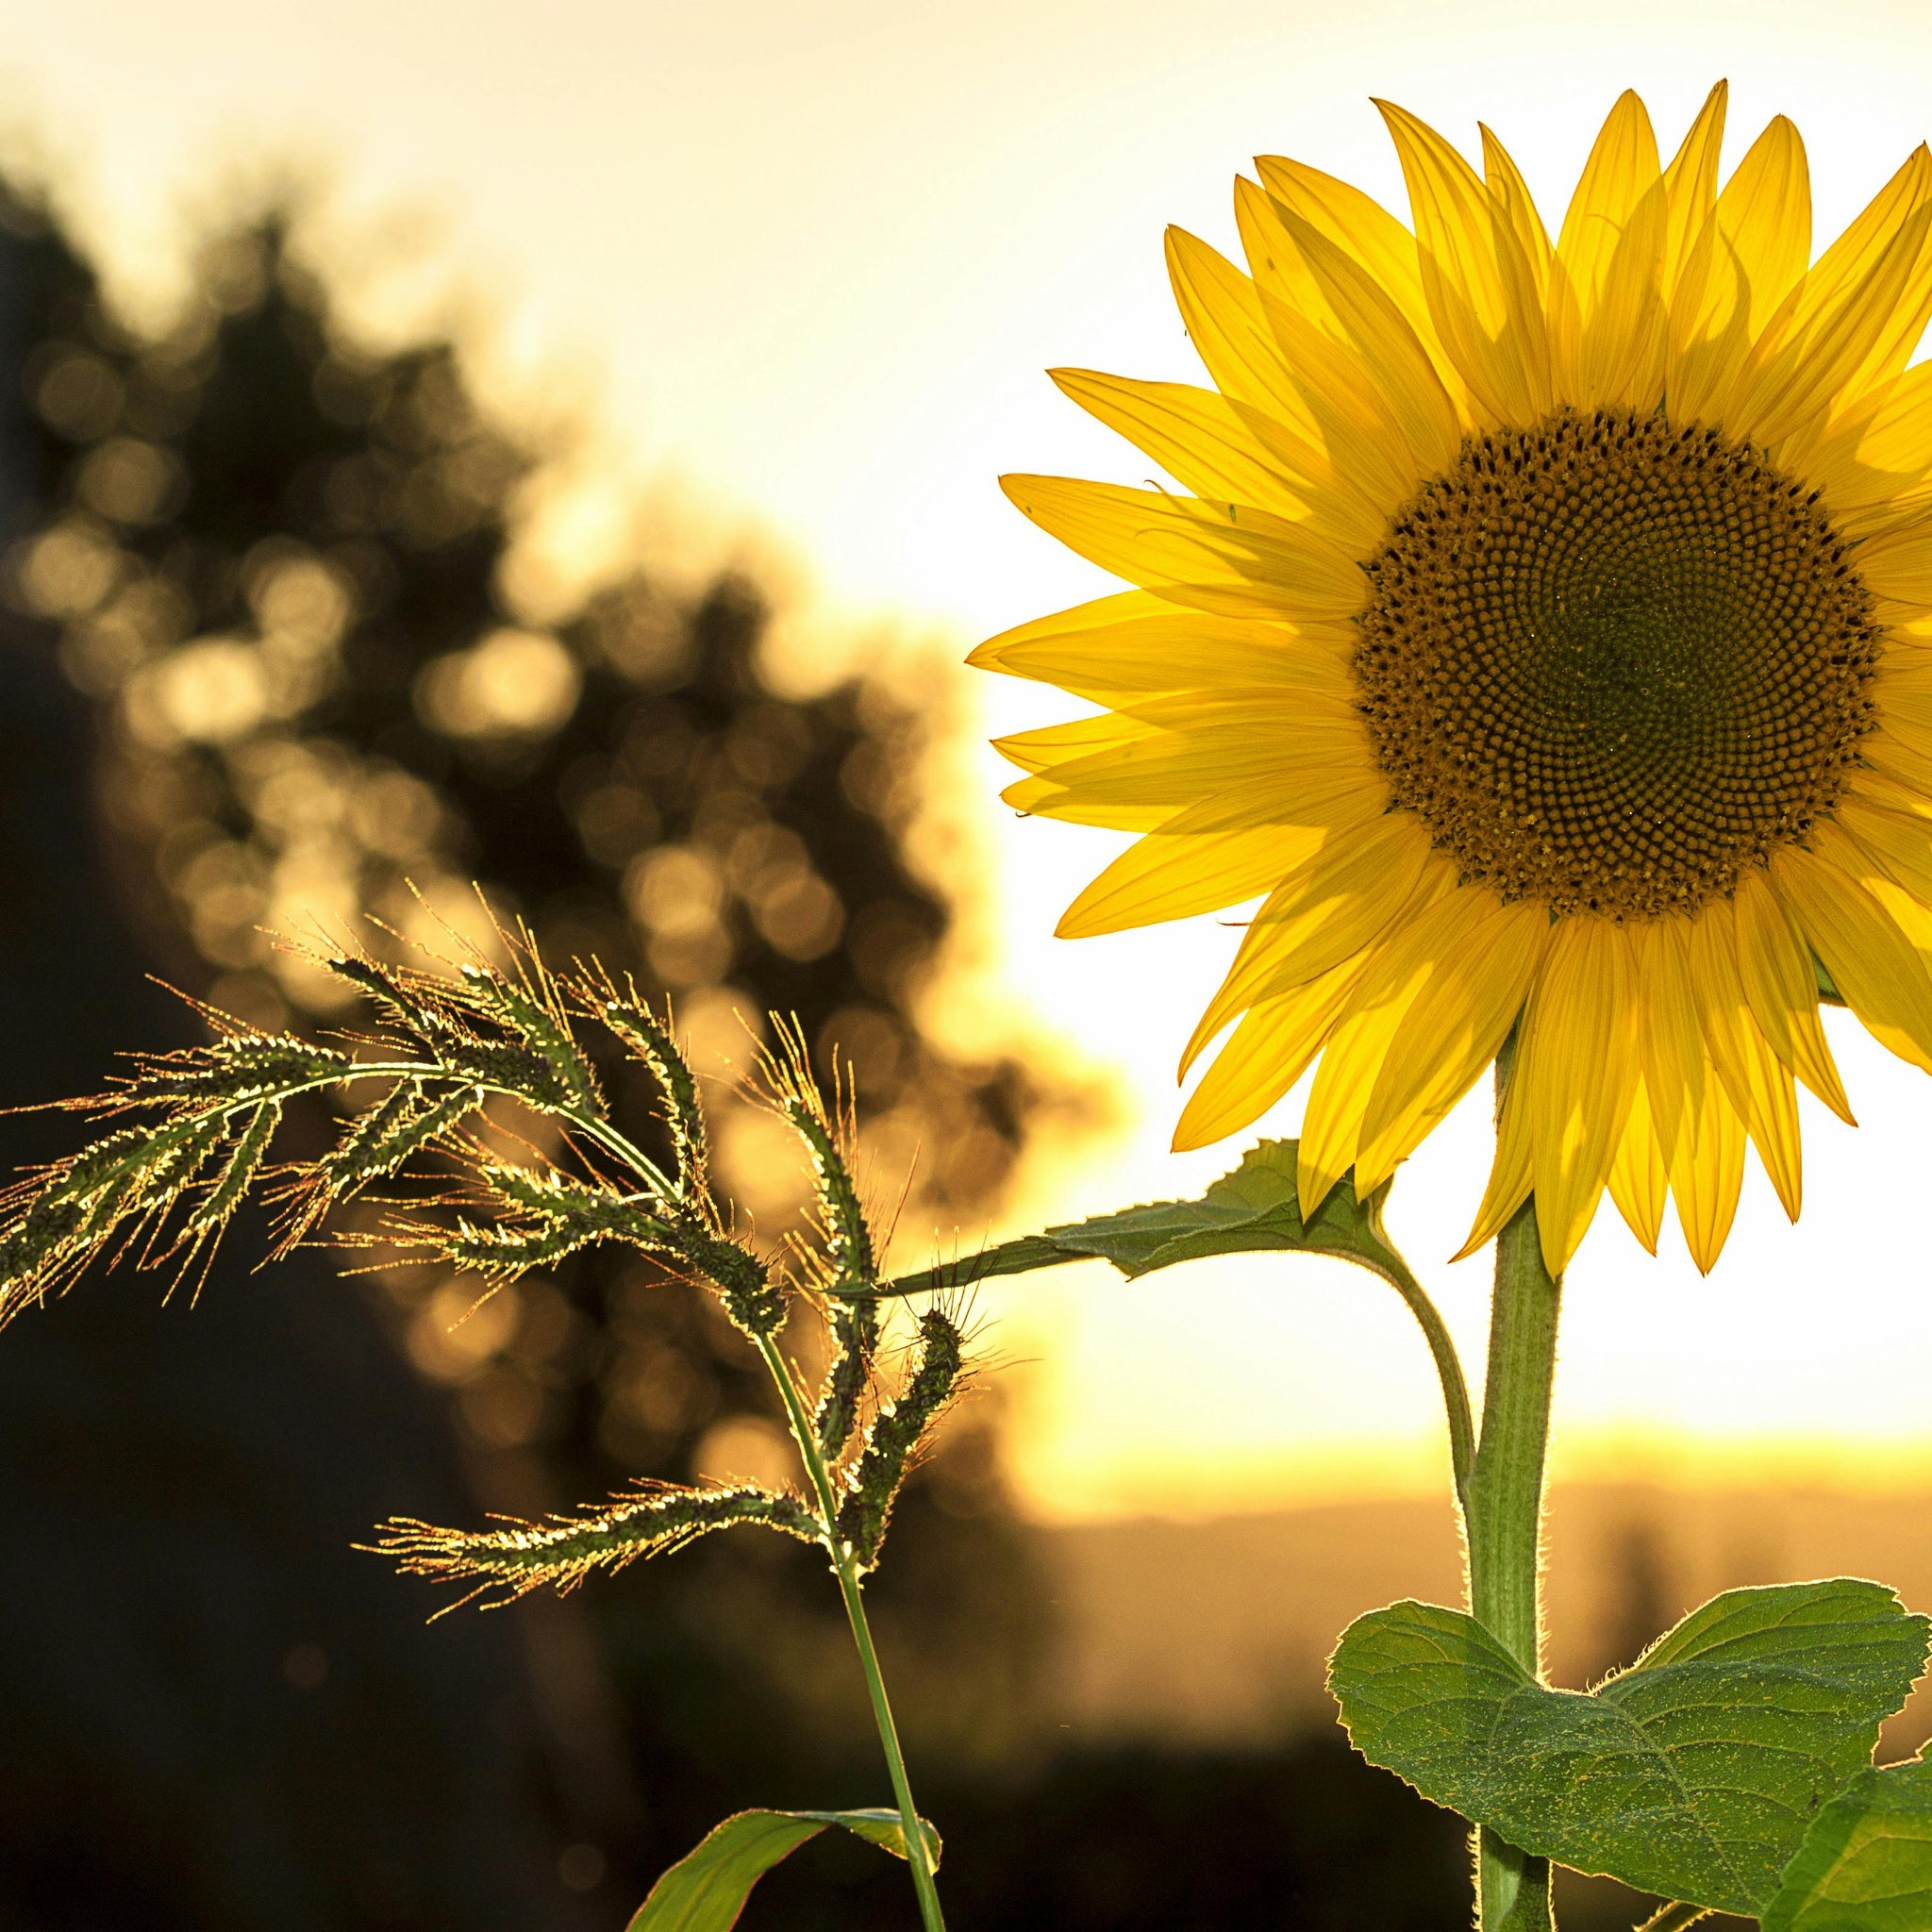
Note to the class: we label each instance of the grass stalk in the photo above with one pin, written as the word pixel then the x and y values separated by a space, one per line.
pixel 845 1565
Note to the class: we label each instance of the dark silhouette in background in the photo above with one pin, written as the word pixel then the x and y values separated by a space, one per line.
pixel 210 1717
pixel 263 657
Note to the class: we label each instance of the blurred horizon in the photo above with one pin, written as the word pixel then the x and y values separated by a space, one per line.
pixel 792 274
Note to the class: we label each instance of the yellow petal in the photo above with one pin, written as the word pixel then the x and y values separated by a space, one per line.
pixel 1137 645
pixel 1177 768
pixel 1215 855
pixel 1215 557
pixel 1872 787
pixel 1757 1082
pixel 1640 1182
pixel 1350 1061
pixel 1897 878
pixel 1578 1063
pixel 1907 912
pixel 1221 312
pixel 1372 236
pixel 1514 206
pixel 1691 186
pixel 1773 1118
pixel 1896 566
pixel 1479 287
pixel 1901 758
pixel 1853 320
pixel 1048 745
pixel 1041 797
pixel 1873 461
pixel 1264 1056
pixel 1901 842
pixel 1764 219
pixel 1161 877
pixel 1871 962
pixel 1224 450
pixel 1419 408
pixel 1403 968
pixel 1358 424
pixel 1276 263
pixel 1282 716
pixel 1775 968
pixel 1483 963
pixel 1707 1172
pixel 1332 909
pixel 1097 615
pixel 1670 1042
pixel 1742 265
pixel 1607 312
pixel 1892 338
pixel 1898 726
pixel 1509 1172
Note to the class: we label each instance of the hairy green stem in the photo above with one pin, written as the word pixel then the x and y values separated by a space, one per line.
pixel 1390 1267
pixel 1503 1515
pixel 1673 1918
pixel 846 1562
pixel 845 1567
pixel 1506 1479
pixel 1448 1369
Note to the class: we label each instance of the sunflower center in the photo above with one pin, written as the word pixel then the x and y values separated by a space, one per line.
pixel 1609 663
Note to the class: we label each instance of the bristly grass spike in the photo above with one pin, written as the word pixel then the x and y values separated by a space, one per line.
pixel 653 1042
pixel 563 1550
pixel 896 1432
pixel 447 1047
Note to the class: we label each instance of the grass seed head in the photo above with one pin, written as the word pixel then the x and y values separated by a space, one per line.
pixel 650 1039
pixel 508 1562
pixel 896 1432
pixel 855 1327
pixel 534 1015
pixel 231 1187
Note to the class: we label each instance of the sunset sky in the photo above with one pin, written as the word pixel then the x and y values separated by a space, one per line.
pixel 806 262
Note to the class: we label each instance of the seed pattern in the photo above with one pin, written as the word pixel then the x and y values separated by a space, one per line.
pixel 1610 663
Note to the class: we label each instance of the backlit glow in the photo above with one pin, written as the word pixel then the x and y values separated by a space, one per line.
pixel 823 254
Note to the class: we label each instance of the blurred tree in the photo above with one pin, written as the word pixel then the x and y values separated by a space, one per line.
pixel 216 1715
pixel 276 559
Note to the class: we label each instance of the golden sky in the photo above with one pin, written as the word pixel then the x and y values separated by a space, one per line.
pixel 818 255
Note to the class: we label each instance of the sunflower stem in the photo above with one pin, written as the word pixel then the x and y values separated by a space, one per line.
pixel 1503 1518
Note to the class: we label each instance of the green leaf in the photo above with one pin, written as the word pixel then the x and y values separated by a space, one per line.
pixel 706 1888
pixel 1694 1774
pixel 1866 1863
pixel 1255 1207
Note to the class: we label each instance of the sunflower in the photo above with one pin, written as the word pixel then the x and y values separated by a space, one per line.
pixel 1546 645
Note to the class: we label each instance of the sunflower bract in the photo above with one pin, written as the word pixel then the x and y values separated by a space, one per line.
pixel 1545 646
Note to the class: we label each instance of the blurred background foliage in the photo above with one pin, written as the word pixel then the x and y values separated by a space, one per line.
pixel 271 560
pixel 276 563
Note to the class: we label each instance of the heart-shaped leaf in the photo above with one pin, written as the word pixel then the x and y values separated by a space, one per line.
pixel 1255 1207
pixel 706 1888
pixel 1866 1863
pixel 1694 1774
